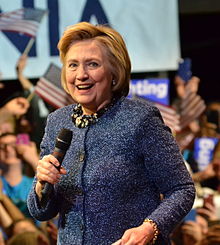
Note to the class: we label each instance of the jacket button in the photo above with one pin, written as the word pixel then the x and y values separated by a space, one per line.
pixel 81 157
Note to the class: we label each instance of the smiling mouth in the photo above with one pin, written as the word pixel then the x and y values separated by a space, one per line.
pixel 84 87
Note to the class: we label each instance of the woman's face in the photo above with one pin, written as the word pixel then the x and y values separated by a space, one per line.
pixel 8 152
pixel 88 75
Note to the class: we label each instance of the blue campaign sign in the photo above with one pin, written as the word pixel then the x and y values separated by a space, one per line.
pixel 153 89
pixel 203 151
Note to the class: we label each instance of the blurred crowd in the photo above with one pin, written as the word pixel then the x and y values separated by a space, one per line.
pixel 22 121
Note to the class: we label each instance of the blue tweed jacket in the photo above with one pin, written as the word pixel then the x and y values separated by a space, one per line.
pixel 116 171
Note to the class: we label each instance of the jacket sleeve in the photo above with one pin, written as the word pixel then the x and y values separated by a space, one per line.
pixel 167 170
pixel 51 208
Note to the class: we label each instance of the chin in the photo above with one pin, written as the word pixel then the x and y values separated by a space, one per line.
pixel 85 101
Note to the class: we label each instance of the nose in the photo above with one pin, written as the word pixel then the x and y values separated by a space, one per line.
pixel 9 146
pixel 82 73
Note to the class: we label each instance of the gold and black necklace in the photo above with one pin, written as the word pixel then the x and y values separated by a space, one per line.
pixel 81 121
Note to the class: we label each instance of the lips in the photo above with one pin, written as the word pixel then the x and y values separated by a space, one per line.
pixel 84 86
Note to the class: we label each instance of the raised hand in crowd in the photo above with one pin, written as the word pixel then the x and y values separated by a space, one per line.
pixel 28 153
pixel 205 174
pixel 212 237
pixel 182 86
pixel 192 233
pixel 209 210
pixel 20 66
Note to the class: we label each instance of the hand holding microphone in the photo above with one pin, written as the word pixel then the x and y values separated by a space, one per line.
pixel 49 168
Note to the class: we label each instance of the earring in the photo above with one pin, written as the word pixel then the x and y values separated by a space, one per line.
pixel 113 82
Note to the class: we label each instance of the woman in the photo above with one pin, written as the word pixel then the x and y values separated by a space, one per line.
pixel 122 157
pixel 15 155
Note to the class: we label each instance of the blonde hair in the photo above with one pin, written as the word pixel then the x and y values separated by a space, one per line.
pixel 114 44
pixel 29 238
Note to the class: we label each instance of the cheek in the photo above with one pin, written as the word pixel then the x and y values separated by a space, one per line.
pixel 69 77
pixel 103 80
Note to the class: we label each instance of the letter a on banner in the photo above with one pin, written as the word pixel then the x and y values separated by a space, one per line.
pixel 94 8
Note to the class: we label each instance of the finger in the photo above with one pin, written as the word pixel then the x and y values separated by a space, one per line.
pixel 203 211
pixel 63 170
pixel 46 168
pixel 210 206
pixel 50 178
pixel 48 173
pixel 51 159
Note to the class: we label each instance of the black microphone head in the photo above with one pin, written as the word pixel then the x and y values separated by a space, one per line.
pixel 63 139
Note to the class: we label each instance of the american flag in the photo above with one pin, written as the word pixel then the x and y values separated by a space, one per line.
pixel 191 107
pixel 170 116
pixel 25 21
pixel 49 88
pixel 191 104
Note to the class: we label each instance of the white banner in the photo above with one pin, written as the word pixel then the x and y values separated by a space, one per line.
pixel 149 27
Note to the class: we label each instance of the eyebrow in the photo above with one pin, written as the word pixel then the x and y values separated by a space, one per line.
pixel 88 59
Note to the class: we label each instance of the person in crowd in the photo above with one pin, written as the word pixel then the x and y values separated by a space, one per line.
pixel 211 120
pixel 14 107
pixel 196 225
pixel 212 237
pixel 210 125
pixel 194 231
pixel 210 176
pixel 123 179
pixel 38 110
pixel 13 222
pixel 14 154
pixel 29 238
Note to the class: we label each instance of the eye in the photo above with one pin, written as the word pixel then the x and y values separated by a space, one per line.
pixel 93 64
pixel 72 65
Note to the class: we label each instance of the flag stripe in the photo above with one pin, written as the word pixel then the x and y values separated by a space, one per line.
pixel 50 85
pixel 53 99
pixel 51 91
pixel 20 29
pixel 29 24
pixel 49 88
pixel 18 21
pixel 188 110
pixel 169 115
pixel 195 113
pixel 50 99
pixel 187 100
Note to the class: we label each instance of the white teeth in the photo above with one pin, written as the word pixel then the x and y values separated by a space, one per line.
pixel 83 86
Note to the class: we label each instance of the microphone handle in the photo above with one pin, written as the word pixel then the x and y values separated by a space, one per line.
pixel 48 187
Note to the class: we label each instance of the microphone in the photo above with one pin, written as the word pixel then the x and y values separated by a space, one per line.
pixel 62 144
